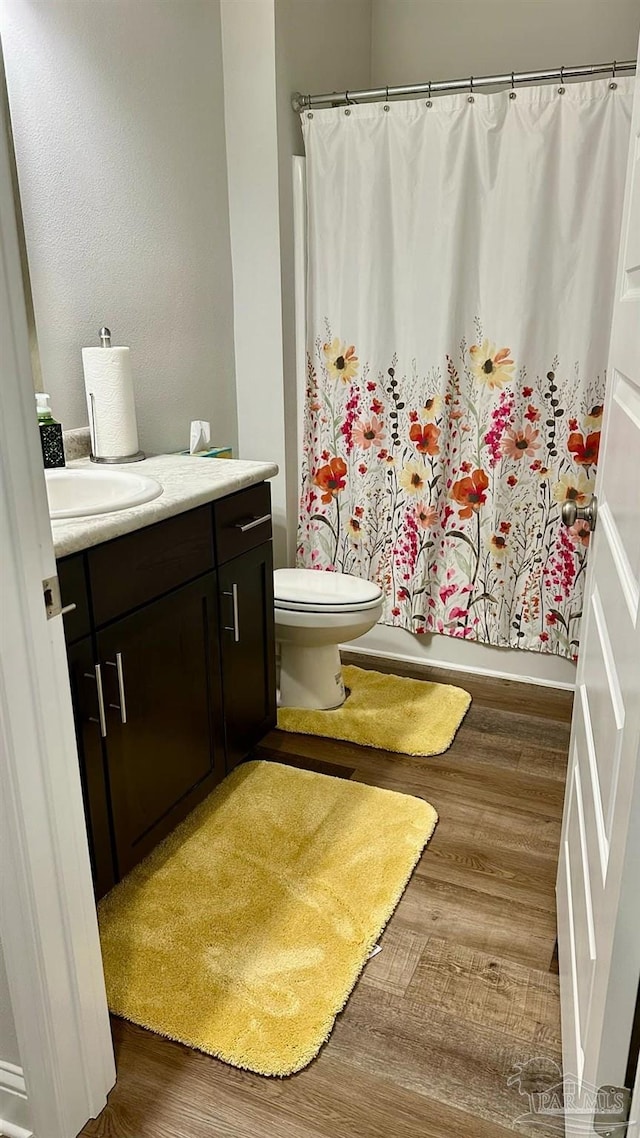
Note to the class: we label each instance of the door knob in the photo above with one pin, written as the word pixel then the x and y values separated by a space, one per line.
pixel 572 513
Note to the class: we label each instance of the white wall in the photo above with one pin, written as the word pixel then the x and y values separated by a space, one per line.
pixel 320 45
pixel 414 41
pixel 270 49
pixel 466 656
pixel 117 110
pixel 248 36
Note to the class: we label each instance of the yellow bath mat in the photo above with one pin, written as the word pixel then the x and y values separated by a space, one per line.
pixel 245 931
pixel 411 717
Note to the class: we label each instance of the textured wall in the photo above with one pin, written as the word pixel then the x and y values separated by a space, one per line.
pixel 417 40
pixel 117 109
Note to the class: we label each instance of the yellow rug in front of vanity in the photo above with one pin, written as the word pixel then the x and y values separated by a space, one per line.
pixel 244 933
pixel 394 713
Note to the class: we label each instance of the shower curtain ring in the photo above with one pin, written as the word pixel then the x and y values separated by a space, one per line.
pixel 429 103
pixel 471 98
pixel 561 88
pixel 512 92
pixel 386 104
pixel 613 84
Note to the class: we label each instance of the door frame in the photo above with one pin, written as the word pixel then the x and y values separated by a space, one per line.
pixel 613 936
pixel 48 925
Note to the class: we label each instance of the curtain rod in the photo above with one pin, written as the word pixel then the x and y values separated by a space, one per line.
pixel 306 102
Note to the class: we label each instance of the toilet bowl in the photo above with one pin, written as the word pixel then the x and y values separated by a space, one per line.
pixel 315 611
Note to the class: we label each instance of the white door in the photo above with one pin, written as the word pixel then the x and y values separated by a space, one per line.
pixel 48 928
pixel 598 884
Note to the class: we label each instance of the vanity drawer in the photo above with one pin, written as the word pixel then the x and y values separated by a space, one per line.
pixel 73 591
pixel 137 568
pixel 242 521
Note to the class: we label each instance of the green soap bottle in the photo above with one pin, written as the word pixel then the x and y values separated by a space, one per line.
pixel 50 433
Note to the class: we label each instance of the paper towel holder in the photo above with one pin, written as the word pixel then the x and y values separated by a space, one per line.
pixel 105 342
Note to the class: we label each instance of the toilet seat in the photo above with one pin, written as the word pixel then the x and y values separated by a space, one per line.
pixel 284 606
pixel 316 611
pixel 312 590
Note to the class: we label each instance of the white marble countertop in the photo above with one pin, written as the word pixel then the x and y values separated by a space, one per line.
pixel 187 481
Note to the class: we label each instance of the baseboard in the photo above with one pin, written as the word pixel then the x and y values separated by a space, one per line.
pixel 10 1130
pixel 447 666
pixel 14 1108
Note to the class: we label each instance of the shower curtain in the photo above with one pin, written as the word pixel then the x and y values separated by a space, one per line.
pixel 462 258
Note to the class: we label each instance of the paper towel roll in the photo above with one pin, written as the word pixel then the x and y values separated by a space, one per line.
pixel 107 376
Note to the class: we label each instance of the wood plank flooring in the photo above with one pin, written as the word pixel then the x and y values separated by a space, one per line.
pixel 466 987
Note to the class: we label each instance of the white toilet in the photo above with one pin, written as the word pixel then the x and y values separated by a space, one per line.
pixel 315 611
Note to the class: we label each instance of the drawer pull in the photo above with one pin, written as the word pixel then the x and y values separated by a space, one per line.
pixel 122 706
pixel 235 627
pixel 244 527
pixel 97 676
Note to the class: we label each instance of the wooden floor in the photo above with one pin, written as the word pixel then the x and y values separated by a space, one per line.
pixel 466 986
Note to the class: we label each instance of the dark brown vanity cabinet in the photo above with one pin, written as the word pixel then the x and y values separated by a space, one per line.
pixel 245 583
pixel 92 763
pixel 248 653
pixel 161 689
pixel 172 668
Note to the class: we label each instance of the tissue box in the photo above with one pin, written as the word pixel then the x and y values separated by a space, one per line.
pixel 213 452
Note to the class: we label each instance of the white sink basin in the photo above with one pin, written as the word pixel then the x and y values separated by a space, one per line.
pixel 81 493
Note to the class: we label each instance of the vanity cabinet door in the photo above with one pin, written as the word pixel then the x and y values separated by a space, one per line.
pixel 164 745
pixel 248 650
pixel 75 597
pixel 93 774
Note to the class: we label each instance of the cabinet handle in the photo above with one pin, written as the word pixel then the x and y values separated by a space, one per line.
pixel 244 527
pixel 122 706
pixel 235 627
pixel 102 720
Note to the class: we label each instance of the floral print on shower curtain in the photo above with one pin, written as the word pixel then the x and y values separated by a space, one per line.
pixel 460 281
pixel 446 489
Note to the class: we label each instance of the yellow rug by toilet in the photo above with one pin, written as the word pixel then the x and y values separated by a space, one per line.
pixel 244 933
pixel 394 713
